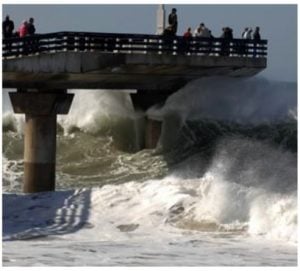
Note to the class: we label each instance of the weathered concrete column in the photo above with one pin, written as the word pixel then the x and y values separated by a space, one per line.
pixel 39 153
pixel 40 110
pixel 142 100
pixel 152 133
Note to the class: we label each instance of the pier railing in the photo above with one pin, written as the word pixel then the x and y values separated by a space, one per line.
pixel 131 43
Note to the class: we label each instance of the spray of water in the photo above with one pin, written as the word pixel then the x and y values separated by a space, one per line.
pixel 243 100
pixel 249 186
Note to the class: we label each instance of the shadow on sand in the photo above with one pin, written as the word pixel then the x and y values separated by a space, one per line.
pixel 47 214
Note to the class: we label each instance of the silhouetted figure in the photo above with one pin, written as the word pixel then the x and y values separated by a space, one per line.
pixel 168 32
pixel 173 22
pixel 227 36
pixel 7 32
pixel 7 27
pixel 256 34
pixel 256 38
pixel 33 42
pixel 168 36
pixel 31 27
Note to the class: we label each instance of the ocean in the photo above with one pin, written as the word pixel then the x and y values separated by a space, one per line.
pixel 220 189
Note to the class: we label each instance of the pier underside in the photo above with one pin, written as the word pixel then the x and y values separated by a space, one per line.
pixel 90 70
pixel 42 81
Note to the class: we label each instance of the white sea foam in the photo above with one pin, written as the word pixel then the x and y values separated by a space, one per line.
pixel 152 222
pixel 226 199
pixel 206 204
pixel 247 193
pixel 94 110
pixel 91 111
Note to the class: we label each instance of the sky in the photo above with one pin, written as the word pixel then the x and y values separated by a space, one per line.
pixel 278 24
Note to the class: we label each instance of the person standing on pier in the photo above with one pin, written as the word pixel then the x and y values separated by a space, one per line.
pixel 256 34
pixel 187 38
pixel 31 27
pixel 256 38
pixel 23 29
pixel 173 22
pixel 7 27
pixel 7 31
pixel 32 43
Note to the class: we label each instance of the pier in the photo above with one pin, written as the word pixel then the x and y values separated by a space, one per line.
pixel 44 67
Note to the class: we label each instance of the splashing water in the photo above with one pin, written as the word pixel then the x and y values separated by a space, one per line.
pixel 224 177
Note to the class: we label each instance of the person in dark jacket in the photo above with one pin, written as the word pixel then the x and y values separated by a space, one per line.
pixel 7 27
pixel 256 34
pixel 173 20
pixel 31 27
pixel 33 43
pixel 7 32
pixel 256 37
pixel 168 32
pixel 227 35
pixel 168 38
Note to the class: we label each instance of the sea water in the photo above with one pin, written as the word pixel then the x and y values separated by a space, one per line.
pixel 219 190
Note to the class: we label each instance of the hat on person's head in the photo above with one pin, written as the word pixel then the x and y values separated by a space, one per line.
pixel 174 9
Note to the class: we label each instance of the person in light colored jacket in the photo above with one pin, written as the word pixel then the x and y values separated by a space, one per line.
pixel 202 31
pixel 247 34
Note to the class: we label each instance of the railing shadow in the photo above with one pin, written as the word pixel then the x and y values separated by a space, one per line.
pixel 45 214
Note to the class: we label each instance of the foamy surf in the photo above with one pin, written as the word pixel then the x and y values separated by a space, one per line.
pixel 153 223
pixel 232 196
pixel 219 190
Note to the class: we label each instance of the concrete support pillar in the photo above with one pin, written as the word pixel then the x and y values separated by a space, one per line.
pixel 39 153
pixel 152 133
pixel 41 109
pixel 142 100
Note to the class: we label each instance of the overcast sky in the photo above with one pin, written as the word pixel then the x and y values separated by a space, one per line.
pixel 278 24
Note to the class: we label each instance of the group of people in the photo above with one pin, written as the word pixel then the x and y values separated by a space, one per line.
pixel 247 33
pixel 204 32
pixel 227 33
pixel 201 31
pixel 26 28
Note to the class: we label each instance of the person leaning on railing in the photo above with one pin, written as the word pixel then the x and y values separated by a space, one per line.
pixel 168 38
